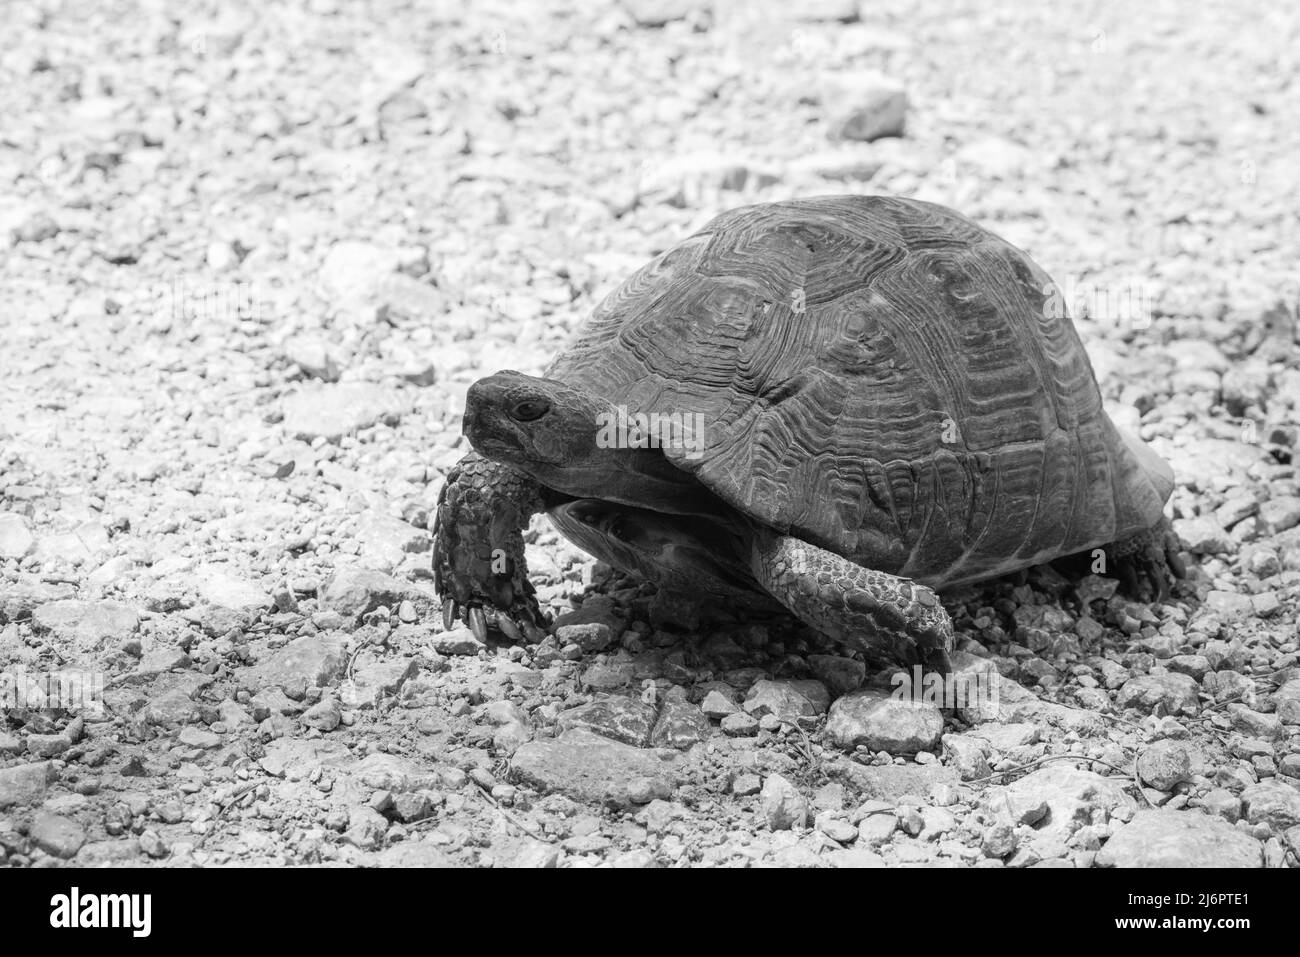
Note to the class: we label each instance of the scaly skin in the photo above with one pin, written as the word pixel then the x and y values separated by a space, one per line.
pixel 482 512
pixel 1145 562
pixel 884 614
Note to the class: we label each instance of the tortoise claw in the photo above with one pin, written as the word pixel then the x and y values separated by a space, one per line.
pixel 535 635
pixel 477 621
pixel 449 612
pixel 507 627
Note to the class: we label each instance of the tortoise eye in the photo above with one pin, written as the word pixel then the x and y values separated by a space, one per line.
pixel 530 410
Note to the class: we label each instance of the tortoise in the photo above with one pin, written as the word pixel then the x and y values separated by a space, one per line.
pixel 868 399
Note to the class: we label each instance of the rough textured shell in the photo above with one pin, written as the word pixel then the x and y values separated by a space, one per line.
pixel 878 376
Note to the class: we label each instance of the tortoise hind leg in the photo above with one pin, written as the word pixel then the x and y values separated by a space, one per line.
pixel 883 614
pixel 1145 563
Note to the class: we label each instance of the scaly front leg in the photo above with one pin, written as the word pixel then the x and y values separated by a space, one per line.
pixel 478 553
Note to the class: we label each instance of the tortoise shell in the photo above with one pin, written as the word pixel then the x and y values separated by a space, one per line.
pixel 879 376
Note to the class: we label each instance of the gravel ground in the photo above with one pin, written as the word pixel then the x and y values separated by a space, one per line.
pixel 252 255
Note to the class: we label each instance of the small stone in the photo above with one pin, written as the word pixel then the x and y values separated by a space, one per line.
pixel 998 840
pixel 1204 536
pixel 746 784
pixel 56 835
pixel 15 538
pixel 967 755
pixel 787 700
pixel 458 641
pixel 841 675
pixel 355 591
pixel 1272 803
pixel 314 356
pixel 1164 764
pixel 836 828
pixel 310 661
pixel 883 722
pixel 366 828
pixel 876 829
pixel 1229 606
pixel 192 737
pixel 680 725
pixel 590 636
pixel 783 806
pixel 593 769
pixel 47 745
pixel 869 106
pixel 622 719
pixel 1175 693
pixel 152 844
pixel 1279 514
pixel 718 706
pixel 325 715
pixel 1223 803
pixel 24 784
pixel 1255 723
pixel 1194 666
pixel 36 228
pixel 740 725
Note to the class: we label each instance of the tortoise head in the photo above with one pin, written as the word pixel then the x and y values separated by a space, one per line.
pixel 536 425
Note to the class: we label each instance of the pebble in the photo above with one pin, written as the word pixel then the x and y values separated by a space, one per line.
pixel 23 784
pixel 867 106
pixel 616 717
pixel 56 835
pixel 1176 693
pixel 1272 803
pixel 16 539
pixel 783 806
pixel 1164 764
pixel 787 700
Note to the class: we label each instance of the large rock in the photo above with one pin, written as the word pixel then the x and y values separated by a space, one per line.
pixel 1163 838
pixel 592 769
pixel 882 722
